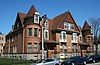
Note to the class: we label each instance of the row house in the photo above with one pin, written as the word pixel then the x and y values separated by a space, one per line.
pixel 61 34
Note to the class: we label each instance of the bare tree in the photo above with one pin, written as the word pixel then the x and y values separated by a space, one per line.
pixel 95 24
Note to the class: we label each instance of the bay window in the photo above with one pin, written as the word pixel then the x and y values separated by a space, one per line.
pixel 29 31
pixel 29 48
pixel 35 47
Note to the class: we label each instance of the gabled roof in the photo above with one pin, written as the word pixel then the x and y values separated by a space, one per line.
pixel 21 16
pixel 31 11
pixel 57 20
pixel 60 18
pixel 86 25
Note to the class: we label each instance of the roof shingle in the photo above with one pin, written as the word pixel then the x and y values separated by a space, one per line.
pixel 31 11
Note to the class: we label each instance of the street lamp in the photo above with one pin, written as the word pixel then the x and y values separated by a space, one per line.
pixel 44 18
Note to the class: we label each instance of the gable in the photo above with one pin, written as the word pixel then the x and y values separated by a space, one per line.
pixel 17 23
pixel 69 19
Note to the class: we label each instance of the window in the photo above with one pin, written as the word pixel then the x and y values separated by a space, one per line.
pixel 63 48
pixel 66 25
pixel 29 31
pixel 12 40
pixel 60 36
pixel 46 24
pixel 0 38
pixel 76 48
pixel 72 48
pixel 35 32
pixel 64 35
pixel 35 47
pixel 74 37
pixel 46 34
pixel 36 18
pixel 80 38
pixel 88 39
pixel 29 47
pixel 72 26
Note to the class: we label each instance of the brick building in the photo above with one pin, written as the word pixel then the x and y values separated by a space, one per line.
pixel 2 42
pixel 61 34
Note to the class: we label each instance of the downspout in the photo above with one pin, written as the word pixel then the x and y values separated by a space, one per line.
pixel 9 46
pixel 23 37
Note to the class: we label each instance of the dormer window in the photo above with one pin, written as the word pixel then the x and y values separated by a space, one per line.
pixel 36 17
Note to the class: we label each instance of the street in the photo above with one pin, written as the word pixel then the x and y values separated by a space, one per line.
pixel 94 63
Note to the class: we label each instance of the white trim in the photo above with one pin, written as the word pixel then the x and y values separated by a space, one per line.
pixel 47 24
pixel 37 13
pixel 69 26
pixel 74 40
pixel 47 34
pixel 35 19
pixel 62 39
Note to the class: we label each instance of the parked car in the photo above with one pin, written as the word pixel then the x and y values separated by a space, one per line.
pixel 74 60
pixel 93 58
pixel 48 61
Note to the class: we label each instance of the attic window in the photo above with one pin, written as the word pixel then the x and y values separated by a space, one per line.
pixel 36 18
pixel 72 26
pixel 66 25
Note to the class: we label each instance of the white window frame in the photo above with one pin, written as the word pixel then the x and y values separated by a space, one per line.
pixel 74 40
pixel 47 34
pixel 70 26
pixel 46 24
pixel 61 37
pixel 65 24
pixel 35 19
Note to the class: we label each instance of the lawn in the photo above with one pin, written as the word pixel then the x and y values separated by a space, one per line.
pixel 9 61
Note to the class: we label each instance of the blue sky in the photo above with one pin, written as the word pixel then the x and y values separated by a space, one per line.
pixel 81 10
